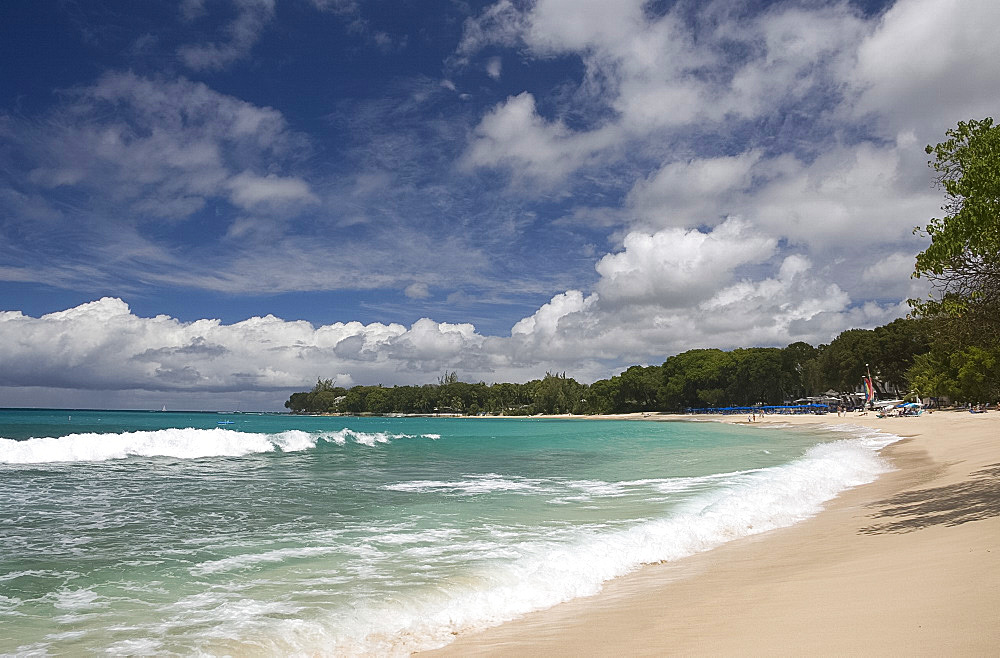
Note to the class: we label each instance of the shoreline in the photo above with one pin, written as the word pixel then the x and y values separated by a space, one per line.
pixel 908 564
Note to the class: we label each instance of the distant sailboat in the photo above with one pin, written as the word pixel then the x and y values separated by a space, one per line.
pixel 164 408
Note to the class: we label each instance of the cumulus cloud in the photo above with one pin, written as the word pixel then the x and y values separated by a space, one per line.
pixel 515 136
pixel 676 267
pixel 845 208
pixel 103 345
pixel 662 293
pixel 659 75
pixel 678 289
pixel 699 190
pixel 674 77
pixel 544 323
pixel 927 65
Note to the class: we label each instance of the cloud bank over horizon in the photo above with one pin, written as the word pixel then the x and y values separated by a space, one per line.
pixel 501 188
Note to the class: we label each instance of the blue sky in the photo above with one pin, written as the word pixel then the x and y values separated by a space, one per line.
pixel 213 202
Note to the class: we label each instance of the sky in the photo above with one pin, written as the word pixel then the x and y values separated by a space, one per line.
pixel 208 204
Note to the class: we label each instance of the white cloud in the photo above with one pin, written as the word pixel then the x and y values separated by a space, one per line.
pixel 890 269
pixel 849 194
pixel 545 321
pixel 674 268
pixel 499 24
pixel 918 68
pixel 701 190
pixel 888 277
pixel 494 66
pixel 242 32
pixel 514 135
pixel 250 191
pixel 417 291
pixel 102 345
pixel 660 73
pixel 845 209
pixel 929 64
pixel 577 25
pixel 663 293
pixel 162 148
pixel 797 52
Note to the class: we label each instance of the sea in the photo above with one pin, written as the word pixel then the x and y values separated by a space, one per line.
pixel 139 533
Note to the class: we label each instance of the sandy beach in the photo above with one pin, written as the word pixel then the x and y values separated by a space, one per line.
pixel 907 565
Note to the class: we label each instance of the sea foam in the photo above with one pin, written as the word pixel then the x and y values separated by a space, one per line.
pixel 186 443
pixel 545 573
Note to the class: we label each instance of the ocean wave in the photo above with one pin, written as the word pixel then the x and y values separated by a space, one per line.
pixel 543 573
pixel 569 490
pixel 471 485
pixel 516 570
pixel 186 443
pixel 246 561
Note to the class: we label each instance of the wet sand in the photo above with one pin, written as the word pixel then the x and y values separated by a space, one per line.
pixel 907 565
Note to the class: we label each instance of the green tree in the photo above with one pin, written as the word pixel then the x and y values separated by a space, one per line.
pixel 964 375
pixel 963 260
pixel 324 402
pixel 556 394
pixel 297 402
pixel 354 401
pixel 848 358
pixel 799 364
pixel 931 375
pixel 640 388
pixel 602 396
pixel 978 373
pixel 754 376
pixel 696 378
pixel 324 385
pixel 377 401
pixel 962 263
pixel 899 343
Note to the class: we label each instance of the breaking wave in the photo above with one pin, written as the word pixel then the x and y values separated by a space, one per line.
pixel 186 443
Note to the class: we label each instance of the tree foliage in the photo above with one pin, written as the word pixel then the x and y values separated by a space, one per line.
pixel 963 264
pixel 963 259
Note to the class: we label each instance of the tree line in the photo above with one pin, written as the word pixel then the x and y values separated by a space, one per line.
pixel 949 347
pixel 695 378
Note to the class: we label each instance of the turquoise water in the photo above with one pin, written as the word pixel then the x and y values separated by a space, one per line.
pixel 137 533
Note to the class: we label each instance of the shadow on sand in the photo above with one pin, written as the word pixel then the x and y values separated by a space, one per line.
pixel 951 505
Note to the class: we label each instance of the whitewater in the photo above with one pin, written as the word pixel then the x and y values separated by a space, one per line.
pixel 129 532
